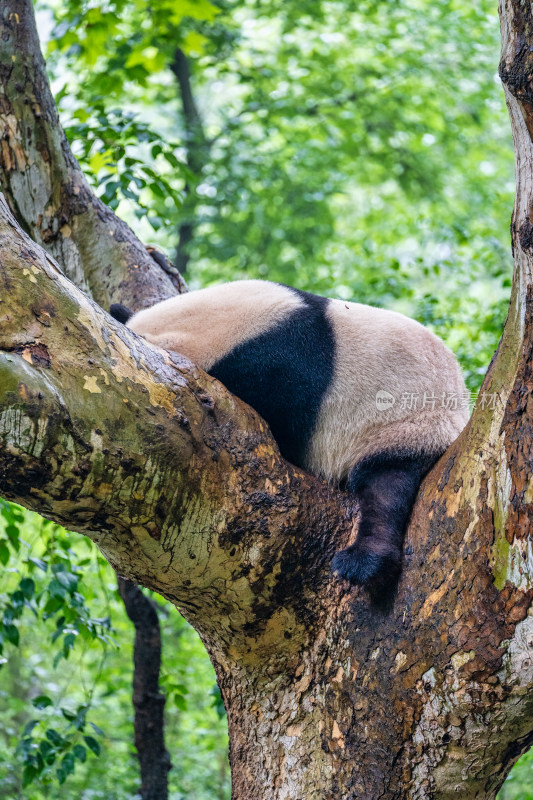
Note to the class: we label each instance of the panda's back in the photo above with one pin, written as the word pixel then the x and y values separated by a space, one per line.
pixel 270 345
pixel 207 324
pixel 313 367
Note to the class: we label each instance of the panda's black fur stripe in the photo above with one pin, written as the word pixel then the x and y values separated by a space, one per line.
pixel 386 485
pixel 284 373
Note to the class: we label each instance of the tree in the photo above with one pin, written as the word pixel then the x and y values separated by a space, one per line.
pixel 184 491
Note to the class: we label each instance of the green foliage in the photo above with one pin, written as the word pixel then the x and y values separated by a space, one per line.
pixel 48 753
pixel 47 586
pixel 120 41
pixel 125 159
pixel 519 784
pixel 359 150
pixel 45 589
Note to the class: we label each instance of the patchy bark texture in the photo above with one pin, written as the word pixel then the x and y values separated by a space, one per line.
pixel 183 489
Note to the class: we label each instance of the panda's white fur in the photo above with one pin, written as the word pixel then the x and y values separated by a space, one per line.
pixel 379 350
pixel 381 453
pixel 207 324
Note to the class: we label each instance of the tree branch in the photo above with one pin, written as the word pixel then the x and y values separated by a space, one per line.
pixel 150 448
pixel 45 186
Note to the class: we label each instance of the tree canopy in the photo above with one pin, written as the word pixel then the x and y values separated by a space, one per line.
pixel 359 150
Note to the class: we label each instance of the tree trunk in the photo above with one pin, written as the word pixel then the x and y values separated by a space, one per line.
pixel 183 489
pixel 148 701
pixel 197 148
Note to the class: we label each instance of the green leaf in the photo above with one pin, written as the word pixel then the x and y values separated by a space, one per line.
pixel 67 579
pixel 80 752
pixel 194 42
pixel 4 553
pixel 56 589
pixel 27 587
pixel 42 701
pixel 53 604
pixel 38 562
pixel 80 719
pixel 92 744
pixel 180 702
pixel 68 763
pixel 28 774
pixel 11 633
pixel 47 751
pixel 13 533
pixel 68 642
pixel 95 728
pixel 55 737
pixel 29 727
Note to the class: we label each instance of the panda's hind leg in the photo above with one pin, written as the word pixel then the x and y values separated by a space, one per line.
pixel 386 485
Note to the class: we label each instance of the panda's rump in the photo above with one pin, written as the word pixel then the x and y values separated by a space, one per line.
pixel 384 356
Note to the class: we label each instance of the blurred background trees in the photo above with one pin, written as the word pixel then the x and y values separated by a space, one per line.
pixel 359 150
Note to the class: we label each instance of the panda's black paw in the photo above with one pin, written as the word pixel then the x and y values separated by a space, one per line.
pixel 355 566
pixel 362 567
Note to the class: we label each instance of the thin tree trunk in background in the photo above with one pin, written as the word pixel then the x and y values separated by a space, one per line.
pixel 148 701
pixel 197 156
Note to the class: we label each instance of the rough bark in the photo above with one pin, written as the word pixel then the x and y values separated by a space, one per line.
pixel 148 701
pixel 182 487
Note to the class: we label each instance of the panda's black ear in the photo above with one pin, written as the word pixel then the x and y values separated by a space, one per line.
pixel 120 312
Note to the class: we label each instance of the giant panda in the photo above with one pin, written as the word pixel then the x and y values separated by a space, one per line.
pixel 366 398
